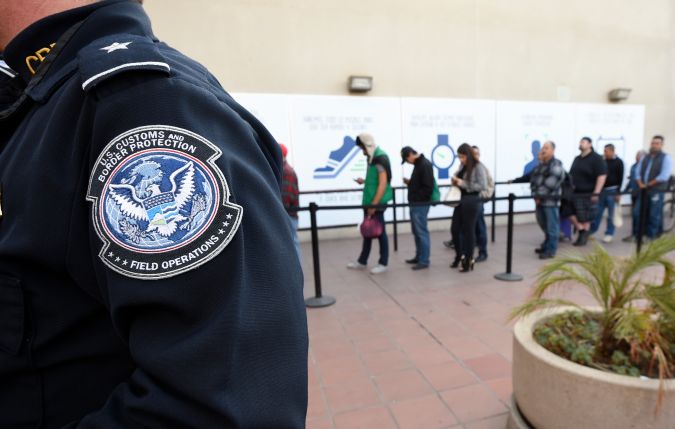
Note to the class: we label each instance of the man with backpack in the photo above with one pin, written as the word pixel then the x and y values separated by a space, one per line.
pixel 422 188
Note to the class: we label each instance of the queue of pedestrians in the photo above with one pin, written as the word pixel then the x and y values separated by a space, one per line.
pixel 578 198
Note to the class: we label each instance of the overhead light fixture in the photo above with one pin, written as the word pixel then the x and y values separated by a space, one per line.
pixel 360 83
pixel 619 94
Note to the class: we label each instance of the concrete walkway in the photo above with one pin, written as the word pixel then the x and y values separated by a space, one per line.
pixel 418 349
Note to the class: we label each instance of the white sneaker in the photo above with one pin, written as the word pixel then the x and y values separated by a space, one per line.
pixel 608 239
pixel 379 269
pixel 356 265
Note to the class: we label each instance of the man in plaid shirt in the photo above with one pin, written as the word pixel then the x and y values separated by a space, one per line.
pixel 290 198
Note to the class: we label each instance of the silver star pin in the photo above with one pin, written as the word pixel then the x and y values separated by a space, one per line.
pixel 116 46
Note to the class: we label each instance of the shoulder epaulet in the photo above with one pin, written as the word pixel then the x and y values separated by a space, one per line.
pixel 112 55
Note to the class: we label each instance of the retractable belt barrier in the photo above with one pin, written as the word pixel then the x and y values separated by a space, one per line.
pixel 320 300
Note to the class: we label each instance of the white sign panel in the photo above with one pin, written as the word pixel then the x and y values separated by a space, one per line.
pixel 437 126
pixel 273 110
pixel 522 127
pixel 320 133
pixel 324 130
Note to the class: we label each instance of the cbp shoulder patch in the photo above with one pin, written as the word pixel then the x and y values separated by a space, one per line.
pixel 160 204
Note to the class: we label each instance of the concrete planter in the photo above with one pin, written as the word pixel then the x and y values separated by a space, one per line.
pixel 554 393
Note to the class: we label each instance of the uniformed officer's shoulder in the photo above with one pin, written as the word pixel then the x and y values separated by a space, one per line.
pixel 111 56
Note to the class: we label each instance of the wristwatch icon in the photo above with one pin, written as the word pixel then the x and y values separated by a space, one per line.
pixel 443 156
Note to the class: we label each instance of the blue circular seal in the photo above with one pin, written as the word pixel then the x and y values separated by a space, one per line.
pixel 160 204
pixel 158 200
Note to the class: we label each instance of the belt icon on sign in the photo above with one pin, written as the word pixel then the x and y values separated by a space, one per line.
pixel 338 159
pixel 443 156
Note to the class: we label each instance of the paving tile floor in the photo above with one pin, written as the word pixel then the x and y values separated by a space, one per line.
pixel 425 349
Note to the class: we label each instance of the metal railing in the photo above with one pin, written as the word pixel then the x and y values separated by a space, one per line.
pixel 320 300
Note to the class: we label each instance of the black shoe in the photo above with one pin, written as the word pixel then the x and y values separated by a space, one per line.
pixel 481 258
pixel 449 244
pixel 456 262
pixel 419 267
pixel 411 261
pixel 467 265
pixel 546 256
pixel 539 250
pixel 582 238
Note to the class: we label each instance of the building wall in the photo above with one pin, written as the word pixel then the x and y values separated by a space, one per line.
pixel 545 50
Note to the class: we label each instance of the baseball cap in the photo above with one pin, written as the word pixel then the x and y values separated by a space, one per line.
pixel 405 152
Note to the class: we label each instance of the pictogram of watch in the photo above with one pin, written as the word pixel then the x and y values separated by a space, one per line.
pixel 443 156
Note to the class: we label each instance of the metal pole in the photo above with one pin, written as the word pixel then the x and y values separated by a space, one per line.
pixel 644 213
pixel 395 223
pixel 508 276
pixel 493 216
pixel 319 300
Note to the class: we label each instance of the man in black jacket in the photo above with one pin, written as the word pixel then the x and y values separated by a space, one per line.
pixel 420 189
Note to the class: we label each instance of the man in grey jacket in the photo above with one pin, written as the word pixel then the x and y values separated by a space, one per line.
pixel 545 183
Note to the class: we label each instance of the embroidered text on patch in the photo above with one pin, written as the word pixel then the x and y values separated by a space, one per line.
pixel 160 204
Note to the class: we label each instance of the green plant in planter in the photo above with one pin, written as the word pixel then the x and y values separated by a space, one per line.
pixel 634 332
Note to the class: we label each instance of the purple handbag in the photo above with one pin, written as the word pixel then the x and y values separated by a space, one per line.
pixel 371 227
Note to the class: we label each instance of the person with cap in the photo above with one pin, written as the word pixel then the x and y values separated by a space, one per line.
pixel 144 279
pixel 377 190
pixel 290 196
pixel 422 188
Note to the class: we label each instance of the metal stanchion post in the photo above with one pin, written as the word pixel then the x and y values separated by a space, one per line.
pixel 508 276
pixel 395 222
pixel 493 216
pixel 318 300
pixel 644 213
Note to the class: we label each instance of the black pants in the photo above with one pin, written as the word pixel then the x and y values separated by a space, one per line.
pixel 464 220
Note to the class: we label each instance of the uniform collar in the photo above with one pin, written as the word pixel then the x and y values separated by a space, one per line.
pixel 28 50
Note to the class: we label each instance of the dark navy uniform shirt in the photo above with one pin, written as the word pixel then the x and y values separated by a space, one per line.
pixel 147 277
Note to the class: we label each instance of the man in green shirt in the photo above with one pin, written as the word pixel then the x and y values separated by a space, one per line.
pixel 377 190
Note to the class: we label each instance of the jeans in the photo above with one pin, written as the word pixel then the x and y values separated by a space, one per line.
pixel 548 219
pixel 654 215
pixel 606 199
pixel 464 226
pixel 382 239
pixel 418 220
pixel 296 239
pixel 481 231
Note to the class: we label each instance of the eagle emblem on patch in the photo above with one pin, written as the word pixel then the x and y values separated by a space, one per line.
pixel 160 205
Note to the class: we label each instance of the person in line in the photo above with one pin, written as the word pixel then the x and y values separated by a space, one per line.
pixel 634 189
pixel 472 178
pixel 481 227
pixel 376 190
pixel 290 196
pixel 421 189
pixel 144 279
pixel 609 197
pixel 653 174
pixel 588 174
pixel 546 184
